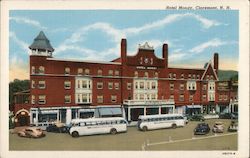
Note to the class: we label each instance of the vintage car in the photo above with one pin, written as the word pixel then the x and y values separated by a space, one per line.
pixel 31 132
pixel 196 118
pixel 218 127
pixel 233 115
pixel 58 128
pixel 201 129
pixel 233 127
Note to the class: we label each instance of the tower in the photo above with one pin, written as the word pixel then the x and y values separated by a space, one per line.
pixel 41 46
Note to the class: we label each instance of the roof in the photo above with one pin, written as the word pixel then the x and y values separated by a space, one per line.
pixel 85 61
pixel 41 42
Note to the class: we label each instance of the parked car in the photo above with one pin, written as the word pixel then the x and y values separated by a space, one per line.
pixel 228 115
pixel 57 128
pixel 218 127
pixel 42 125
pixel 31 132
pixel 196 118
pixel 233 127
pixel 201 129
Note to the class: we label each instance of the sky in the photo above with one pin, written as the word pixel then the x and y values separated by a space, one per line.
pixel 192 36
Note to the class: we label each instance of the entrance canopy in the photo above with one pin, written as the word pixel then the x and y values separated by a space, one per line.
pixel 110 111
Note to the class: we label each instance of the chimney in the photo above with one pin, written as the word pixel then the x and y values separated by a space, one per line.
pixel 216 62
pixel 165 53
pixel 123 50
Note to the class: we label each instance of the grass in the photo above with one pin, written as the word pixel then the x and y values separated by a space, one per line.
pixel 131 140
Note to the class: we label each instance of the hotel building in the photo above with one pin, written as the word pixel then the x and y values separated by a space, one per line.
pixel 129 86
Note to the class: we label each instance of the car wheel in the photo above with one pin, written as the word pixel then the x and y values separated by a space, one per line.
pixel 19 134
pixel 144 128
pixel 75 134
pixel 174 126
pixel 113 131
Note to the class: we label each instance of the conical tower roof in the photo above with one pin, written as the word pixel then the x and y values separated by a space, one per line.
pixel 41 42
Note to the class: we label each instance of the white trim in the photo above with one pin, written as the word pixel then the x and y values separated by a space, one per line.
pixel 86 61
pixel 21 110
pixel 175 67
pixel 207 69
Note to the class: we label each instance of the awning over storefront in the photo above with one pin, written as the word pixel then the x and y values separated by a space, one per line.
pixel 194 106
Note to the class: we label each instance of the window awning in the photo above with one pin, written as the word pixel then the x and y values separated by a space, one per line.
pixel 194 106
pixel 110 111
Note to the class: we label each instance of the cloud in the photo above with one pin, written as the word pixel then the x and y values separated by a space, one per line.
pixel 211 43
pixel 23 45
pixel 28 21
pixel 19 69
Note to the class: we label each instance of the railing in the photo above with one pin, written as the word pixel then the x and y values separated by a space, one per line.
pixel 148 102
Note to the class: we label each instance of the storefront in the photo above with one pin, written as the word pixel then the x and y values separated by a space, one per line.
pixel 134 108
pixel 193 109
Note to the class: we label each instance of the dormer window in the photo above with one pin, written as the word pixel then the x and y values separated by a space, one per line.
pixel 67 71
pixel 41 70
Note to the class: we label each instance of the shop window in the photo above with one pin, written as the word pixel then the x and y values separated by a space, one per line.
pixel 67 99
pixel 67 71
pixel 41 99
pixel 41 84
pixel 99 85
pixel 100 99
pixel 67 84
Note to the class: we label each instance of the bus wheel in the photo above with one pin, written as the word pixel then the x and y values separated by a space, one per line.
pixel 113 131
pixel 174 126
pixel 144 128
pixel 75 134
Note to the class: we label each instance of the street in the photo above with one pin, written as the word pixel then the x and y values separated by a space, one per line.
pixel 133 140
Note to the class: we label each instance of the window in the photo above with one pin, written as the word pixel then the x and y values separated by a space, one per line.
pixel 117 73
pixel 67 84
pixel 116 85
pixel 170 75
pixel 84 98
pixel 78 84
pixel 33 70
pixel 136 74
pixel 156 75
pixel 153 96
pixel 198 77
pixel 148 85
pixel 204 87
pixel 146 74
pixel 141 85
pixel 191 97
pixel 41 70
pixel 113 98
pixel 41 99
pixel 100 99
pixel 211 85
pixel 136 85
pixel 193 76
pixel 87 71
pixel 204 97
pixel 79 71
pixel 189 76
pixel 33 98
pixel 141 96
pixel 225 97
pixel 207 77
pixel 99 72
pixel 67 71
pixel 191 85
pixel 99 85
pixel 84 84
pixel 110 72
pixel 171 97
pixel 110 85
pixel 174 76
pixel 67 99
pixel 181 97
pixel 79 98
pixel 220 97
pixel 171 86
pixel 41 84
pixel 211 77
pixel 181 86
pixel 33 84
pixel 129 86
pixel 182 76
pixel 153 85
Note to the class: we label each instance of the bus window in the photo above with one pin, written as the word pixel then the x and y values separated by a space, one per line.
pixel 82 124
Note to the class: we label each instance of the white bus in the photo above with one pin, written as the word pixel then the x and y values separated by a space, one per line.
pixel 93 126
pixel 151 122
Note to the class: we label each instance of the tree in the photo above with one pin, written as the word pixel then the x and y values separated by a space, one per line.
pixel 17 86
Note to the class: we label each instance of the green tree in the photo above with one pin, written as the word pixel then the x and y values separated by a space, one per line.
pixel 17 86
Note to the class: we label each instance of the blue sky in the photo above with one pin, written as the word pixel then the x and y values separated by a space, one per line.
pixel 193 36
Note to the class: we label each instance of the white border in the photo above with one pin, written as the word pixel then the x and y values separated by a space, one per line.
pixel 243 136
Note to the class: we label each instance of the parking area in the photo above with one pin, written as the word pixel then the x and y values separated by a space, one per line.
pixel 132 140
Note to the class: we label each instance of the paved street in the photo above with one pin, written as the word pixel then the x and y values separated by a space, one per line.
pixel 132 140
